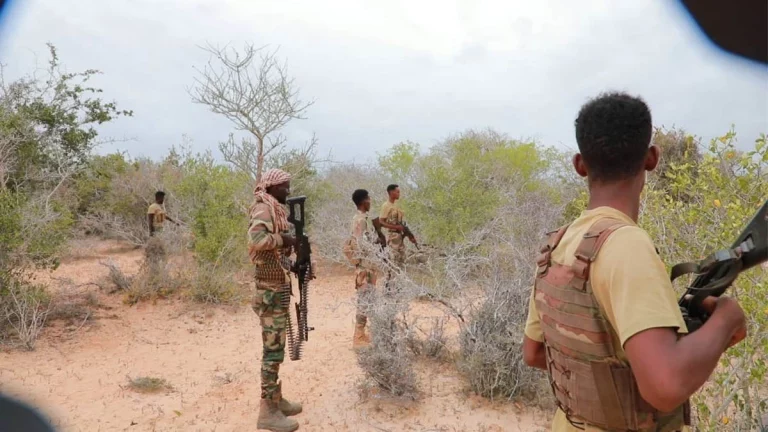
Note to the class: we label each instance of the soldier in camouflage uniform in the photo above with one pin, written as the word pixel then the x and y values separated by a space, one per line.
pixel 603 320
pixel 269 243
pixel 391 217
pixel 358 255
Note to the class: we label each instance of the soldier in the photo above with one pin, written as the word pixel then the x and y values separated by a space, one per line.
pixel 156 214
pixel 268 238
pixel 358 255
pixel 391 218
pixel 607 328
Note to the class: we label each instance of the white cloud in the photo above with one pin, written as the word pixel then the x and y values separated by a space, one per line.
pixel 384 72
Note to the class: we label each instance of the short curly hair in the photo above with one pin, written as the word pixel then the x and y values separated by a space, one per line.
pixel 358 196
pixel 614 132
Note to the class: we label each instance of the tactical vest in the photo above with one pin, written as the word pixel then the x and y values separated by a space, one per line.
pixel 590 384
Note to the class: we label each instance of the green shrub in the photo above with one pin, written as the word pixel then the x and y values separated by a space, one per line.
pixel 699 206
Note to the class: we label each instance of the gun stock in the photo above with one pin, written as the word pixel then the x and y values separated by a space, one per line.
pixel 717 272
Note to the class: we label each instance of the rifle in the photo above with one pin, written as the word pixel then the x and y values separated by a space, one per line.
pixel 302 268
pixel 383 240
pixel 407 233
pixel 717 272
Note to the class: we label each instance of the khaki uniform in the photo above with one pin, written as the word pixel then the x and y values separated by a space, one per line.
pixel 627 290
pixel 265 249
pixel 392 214
pixel 158 213
pixel 365 271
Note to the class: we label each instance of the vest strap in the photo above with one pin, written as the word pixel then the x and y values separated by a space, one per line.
pixel 552 240
pixel 589 247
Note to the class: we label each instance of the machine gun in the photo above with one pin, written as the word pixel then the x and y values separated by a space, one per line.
pixel 302 268
pixel 717 272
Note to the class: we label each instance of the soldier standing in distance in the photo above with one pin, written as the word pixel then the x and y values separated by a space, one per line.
pixel 267 239
pixel 607 328
pixel 391 218
pixel 358 255
pixel 156 214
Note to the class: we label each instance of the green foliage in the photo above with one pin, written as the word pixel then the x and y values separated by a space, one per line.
pixel 93 184
pixel 398 162
pixel 47 130
pixel 10 223
pixel 217 223
pixel 453 187
pixel 24 240
pixel 53 120
pixel 47 126
pixel 700 206
pixel 213 284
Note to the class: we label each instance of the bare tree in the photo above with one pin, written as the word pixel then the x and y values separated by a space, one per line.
pixel 253 90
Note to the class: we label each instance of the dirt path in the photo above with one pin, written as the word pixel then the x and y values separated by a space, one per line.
pixel 210 356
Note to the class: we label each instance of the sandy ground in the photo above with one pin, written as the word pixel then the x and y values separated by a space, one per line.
pixel 78 374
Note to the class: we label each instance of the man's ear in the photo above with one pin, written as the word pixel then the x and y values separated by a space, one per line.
pixel 579 165
pixel 652 158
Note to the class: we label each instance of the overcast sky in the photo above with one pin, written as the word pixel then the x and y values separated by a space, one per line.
pixel 385 72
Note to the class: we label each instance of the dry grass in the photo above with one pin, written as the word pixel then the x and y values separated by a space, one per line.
pixel 387 362
pixel 149 385
pixel 119 280
pixel 25 308
pixel 215 285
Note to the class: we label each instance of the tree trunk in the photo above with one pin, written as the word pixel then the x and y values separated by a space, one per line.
pixel 260 159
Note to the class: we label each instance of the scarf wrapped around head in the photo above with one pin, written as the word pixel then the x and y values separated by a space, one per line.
pixel 271 178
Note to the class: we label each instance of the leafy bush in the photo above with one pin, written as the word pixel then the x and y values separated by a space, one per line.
pixel 700 205
pixel 215 285
pixel 47 130
pixel 215 201
pixel 449 190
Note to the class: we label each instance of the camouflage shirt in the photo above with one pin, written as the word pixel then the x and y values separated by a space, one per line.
pixel 361 231
pixel 265 246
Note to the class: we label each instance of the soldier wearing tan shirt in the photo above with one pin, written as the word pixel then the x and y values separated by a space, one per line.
pixel 603 318
pixel 156 216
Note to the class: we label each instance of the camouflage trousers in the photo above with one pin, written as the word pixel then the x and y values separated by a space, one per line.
pixel 365 283
pixel 273 316
pixel 396 248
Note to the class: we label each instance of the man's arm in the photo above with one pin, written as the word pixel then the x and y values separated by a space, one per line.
pixel 391 226
pixel 534 353
pixel 383 219
pixel 533 342
pixel 670 369
pixel 151 220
